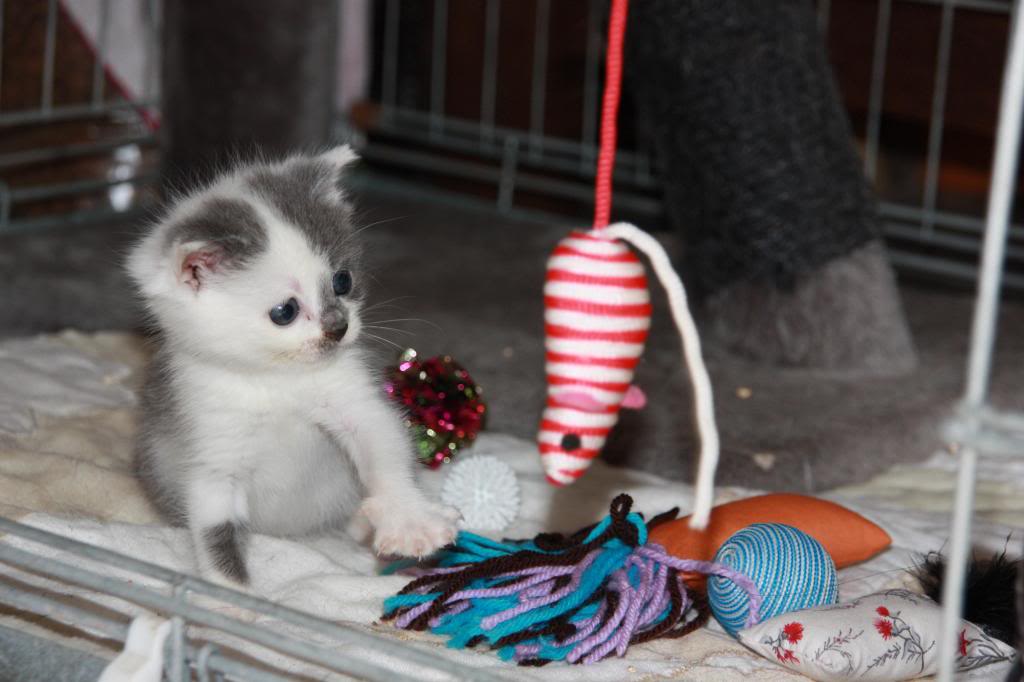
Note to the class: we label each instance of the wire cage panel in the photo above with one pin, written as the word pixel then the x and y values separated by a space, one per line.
pixel 78 110
pixel 510 109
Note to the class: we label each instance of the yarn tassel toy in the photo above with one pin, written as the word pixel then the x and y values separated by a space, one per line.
pixel 577 599
pixel 597 313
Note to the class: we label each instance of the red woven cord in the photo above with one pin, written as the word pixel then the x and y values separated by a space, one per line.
pixel 609 114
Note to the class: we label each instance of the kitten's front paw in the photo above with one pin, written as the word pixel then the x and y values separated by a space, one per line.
pixel 411 531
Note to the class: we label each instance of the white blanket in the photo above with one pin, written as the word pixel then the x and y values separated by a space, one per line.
pixel 64 467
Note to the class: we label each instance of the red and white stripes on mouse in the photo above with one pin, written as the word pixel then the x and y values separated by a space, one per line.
pixel 597 314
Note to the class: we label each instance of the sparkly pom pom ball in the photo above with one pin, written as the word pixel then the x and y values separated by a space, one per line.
pixel 444 405
pixel 485 491
pixel 791 569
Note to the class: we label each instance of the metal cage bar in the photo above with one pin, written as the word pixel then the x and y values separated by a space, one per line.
pixel 591 75
pixel 983 334
pixel 936 125
pixel 877 92
pixel 49 55
pixel 538 81
pixel 439 50
pixel 489 91
pixel 98 68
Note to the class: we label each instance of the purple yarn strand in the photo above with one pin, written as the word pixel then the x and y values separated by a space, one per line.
pixel 602 639
pixel 503 591
pixel 657 552
pixel 641 596
pixel 509 614
pixel 586 627
pixel 659 585
pixel 412 614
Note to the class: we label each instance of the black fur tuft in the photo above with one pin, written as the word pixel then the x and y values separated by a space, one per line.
pixel 990 598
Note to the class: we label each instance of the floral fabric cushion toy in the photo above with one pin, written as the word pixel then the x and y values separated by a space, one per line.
pixel 890 635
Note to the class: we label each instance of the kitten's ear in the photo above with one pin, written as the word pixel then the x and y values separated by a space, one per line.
pixel 197 261
pixel 339 157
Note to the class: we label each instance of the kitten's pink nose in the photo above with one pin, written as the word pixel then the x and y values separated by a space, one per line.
pixel 337 333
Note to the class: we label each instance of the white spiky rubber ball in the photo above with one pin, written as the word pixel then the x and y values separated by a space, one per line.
pixel 484 490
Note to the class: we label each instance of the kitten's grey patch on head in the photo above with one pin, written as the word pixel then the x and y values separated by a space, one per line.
pixel 231 224
pixel 297 193
pixel 222 542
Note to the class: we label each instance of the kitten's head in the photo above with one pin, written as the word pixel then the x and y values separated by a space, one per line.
pixel 260 267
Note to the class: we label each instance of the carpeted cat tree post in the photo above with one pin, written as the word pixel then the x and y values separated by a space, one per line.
pixel 761 177
pixel 242 75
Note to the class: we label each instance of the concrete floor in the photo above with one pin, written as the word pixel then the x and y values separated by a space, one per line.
pixel 475 279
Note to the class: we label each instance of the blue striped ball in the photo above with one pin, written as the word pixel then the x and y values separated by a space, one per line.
pixel 791 569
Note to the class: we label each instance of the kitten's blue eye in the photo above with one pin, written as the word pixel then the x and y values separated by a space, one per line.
pixel 285 313
pixel 342 282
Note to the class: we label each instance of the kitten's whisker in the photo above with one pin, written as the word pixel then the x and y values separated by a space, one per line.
pixel 390 329
pixel 387 341
pixel 383 303
pixel 410 319
pixel 359 230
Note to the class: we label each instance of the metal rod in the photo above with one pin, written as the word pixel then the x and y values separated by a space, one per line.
pixel 956 242
pixel 1000 201
pixel 151 14
pixel 509 168
pixel 946 219
pixel 489 87
pixel 591 75
pixel 937 125
pixel 541 184
pixel 956 566
pixel 877 92
pixel 76 219
pixel 70 151
pixel 54 190
pixel 237 670
pixel 997 6
pixel 949 269
pixel 1 48
pixel 99 73
pixel 438 66
pixel 49 51
pixel 389 86
pixel 69 112
pixel 203 662
pixel 539 80
pixel 62 611
pixel 469 130
pixel 5 205
pixel 178 668
pixel 551 160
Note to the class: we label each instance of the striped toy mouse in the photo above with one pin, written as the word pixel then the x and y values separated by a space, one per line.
pixel 597 314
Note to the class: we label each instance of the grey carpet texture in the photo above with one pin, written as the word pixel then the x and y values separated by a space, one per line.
pixel 475 278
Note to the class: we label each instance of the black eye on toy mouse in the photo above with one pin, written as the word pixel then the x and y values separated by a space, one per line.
pixel 570 442
pixel 342 282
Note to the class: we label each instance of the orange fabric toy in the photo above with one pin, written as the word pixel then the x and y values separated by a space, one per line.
pixel 846 535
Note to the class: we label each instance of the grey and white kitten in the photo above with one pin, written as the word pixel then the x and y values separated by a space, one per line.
pixel 259 412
